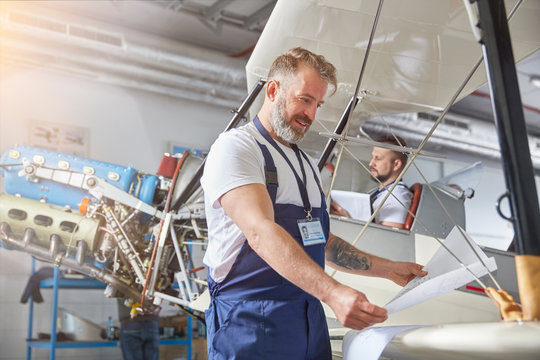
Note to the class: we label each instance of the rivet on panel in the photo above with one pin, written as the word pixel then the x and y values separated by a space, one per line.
pixel 38 159
pixel 14 154
pixel 114 176
pixel 88 170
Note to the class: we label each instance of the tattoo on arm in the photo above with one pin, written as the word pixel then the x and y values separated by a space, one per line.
pixel 345 255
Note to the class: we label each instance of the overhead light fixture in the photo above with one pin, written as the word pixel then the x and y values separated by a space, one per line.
pixel 535 80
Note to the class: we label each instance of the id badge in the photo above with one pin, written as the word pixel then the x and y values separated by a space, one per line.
pixel 311 231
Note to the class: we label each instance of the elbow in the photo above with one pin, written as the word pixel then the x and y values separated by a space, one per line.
pixel 254 241
pixel 255 236
pixel 268 239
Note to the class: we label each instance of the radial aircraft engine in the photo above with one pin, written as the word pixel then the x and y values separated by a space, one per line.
pixel 113 223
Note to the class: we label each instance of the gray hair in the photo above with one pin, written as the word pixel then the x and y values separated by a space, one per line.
pixel 286 65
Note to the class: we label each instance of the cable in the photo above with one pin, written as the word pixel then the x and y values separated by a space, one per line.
pixel 165 211
pixel 189 312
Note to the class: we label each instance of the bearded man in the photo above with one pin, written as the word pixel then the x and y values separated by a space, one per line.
pixel 385 167
pixel 266 276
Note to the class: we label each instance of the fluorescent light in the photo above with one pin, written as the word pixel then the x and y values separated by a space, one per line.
pixel 535 80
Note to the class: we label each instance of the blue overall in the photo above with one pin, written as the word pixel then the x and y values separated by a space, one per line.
pixel 255 313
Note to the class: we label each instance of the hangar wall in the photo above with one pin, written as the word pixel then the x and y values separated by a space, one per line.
pixel 125 125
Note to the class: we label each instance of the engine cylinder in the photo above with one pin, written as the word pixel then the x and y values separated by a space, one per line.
pixel 46 220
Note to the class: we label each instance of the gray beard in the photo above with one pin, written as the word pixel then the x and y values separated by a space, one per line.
pixel 279 123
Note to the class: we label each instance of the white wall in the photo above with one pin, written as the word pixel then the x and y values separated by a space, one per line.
pixel 125 126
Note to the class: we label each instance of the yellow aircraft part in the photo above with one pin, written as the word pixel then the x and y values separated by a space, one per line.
pixel 528 275
pixel 509 309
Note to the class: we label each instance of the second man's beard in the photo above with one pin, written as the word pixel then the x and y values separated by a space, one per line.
pixel 280 126
pixel 381 178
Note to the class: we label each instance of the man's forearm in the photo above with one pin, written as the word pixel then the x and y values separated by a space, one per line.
pixel 345 257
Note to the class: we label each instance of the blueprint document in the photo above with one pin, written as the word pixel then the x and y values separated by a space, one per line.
pixel 445 273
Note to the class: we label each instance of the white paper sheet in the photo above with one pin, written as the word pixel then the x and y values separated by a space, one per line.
pixel 368 344
pixel 357 204
pixel 445 273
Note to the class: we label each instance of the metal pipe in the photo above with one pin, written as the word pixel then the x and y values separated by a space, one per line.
pixel 15 242
pixel 338 130
pixel 176 69
pixel 347 114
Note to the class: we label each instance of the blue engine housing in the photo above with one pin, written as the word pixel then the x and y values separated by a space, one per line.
pixel 125 178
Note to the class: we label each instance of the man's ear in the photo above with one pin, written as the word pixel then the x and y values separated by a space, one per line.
pixel 397 165
pixel 272 89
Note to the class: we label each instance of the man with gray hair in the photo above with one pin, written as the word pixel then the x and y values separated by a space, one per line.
pixel 266 275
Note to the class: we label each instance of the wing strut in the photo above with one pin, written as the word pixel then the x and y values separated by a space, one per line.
pixel 347 114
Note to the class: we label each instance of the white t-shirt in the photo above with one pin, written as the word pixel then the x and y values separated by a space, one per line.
pixel 392 210
pixel 235 160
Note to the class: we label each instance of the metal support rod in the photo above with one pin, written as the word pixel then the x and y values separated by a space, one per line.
pixel 339 129
pixel 194 183
pixel 54 315
pixel 347 114
pixel 510 123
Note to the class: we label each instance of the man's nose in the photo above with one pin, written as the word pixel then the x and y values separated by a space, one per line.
pixel 311 111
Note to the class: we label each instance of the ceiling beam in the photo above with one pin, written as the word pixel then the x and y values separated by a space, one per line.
pixel 261 14
pixel 214 12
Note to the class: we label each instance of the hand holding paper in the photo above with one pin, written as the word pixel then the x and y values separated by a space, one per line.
pixel 445 273
pixel 356 204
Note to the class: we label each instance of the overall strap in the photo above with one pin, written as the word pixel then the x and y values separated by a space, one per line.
pixel 312 170
pixel 270 172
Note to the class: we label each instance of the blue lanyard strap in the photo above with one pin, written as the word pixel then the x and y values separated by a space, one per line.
pixel 313 171
pixel 297 153
pixel 373 196
pixel 301 184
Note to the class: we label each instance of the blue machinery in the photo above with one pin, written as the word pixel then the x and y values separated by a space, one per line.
pixel 109 222
pixel 105 221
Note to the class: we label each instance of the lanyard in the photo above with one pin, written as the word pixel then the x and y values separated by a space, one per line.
pixel 301 184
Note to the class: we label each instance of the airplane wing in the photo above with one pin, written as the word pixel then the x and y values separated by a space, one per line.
pixel 422 50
